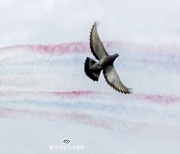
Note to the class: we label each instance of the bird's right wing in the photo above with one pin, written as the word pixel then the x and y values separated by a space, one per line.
pixel 96 45
pixel 113 80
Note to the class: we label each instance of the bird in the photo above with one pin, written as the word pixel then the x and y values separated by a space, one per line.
pixel 104 63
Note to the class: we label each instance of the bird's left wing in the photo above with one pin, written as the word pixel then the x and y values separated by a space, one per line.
pixel 96 45
pixel 113 80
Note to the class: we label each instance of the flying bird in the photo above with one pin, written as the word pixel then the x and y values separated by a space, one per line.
pixel 105 62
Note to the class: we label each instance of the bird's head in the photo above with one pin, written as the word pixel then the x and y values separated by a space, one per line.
pixel 115 56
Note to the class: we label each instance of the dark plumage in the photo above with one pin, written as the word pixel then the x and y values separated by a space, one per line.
pixel 105 63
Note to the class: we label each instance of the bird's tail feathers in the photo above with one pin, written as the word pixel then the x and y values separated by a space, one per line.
pixel 93 74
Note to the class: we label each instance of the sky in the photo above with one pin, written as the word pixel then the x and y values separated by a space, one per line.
pixel 59 21
pixel 45 96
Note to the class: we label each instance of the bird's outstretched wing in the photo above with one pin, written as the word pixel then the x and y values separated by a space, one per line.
pixel 113 80
pixel 96 45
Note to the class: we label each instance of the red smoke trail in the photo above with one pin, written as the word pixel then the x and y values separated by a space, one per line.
pixel 64 48
pixel 83 47
pixel 160 99
pixel 56 116
pixel 138 128
pixel 76 94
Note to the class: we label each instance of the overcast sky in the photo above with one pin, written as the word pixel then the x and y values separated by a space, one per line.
pixel 58 21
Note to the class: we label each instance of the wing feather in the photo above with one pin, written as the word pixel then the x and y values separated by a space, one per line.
pixel 96 45
pixel 113 80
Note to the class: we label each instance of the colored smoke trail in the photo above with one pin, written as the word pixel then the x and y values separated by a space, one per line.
pixel 161 99
pixel 162 56
pixel 78 94
pixel 172 50
pixel 48 82
pixel 136 128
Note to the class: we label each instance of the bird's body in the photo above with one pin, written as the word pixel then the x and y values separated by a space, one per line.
pixel 105 62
